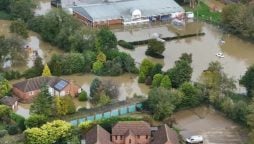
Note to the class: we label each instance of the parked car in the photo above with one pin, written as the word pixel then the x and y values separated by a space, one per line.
pixel 198 139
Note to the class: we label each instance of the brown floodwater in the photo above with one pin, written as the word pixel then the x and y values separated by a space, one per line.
pixel 44 49
pixel 238 53
pixel 211 124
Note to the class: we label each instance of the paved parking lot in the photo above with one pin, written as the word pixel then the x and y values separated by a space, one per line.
pixel 213 126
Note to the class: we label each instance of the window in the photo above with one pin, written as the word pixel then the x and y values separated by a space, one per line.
pixel 31 93
pixel 138 136
pixel 147 136
pixel 116 137
pixel 121 137
pixel 129 140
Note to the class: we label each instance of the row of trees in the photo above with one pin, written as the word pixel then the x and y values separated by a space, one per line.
pixel 177 75
pixel 239 19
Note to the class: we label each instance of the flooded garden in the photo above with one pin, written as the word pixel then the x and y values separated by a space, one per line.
pixel 202 120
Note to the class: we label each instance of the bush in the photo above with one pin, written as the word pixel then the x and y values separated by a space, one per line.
pixel 13 129
pixel 3 133
pixel 125 44
pixel 12 74
pixel 35 121
pixel 19 120
pixel 82 96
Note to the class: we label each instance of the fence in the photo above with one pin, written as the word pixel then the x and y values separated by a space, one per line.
pixel 111 111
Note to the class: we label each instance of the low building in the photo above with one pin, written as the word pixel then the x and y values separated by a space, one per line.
pixel 127 12
pixel 10 101
pixel 28 89
pixel 132 132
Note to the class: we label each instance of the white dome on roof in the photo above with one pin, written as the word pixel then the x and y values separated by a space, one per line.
pixel 135 13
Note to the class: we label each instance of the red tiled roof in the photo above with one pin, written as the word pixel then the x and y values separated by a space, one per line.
pixel 165 134
pixel 97 135
pixel 36 83
pixel 137 127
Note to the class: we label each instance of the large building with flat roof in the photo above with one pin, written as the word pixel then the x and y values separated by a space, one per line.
pixel 127 12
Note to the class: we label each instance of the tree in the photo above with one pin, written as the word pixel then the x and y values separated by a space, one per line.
pixel 186 57
pixel 105 40
pixel 4 86
pixel 35 121
pixel 156 70
pixel 111 89
pixel 82 96
pixel 46 71
pixel 101 57
pixel 5 112
pixel 57 131
pixel 157 80
pixel 161 102
pixel 64 105
pixel 4 5
pixel 165 82
pixel 180 73
pixel 155 47
pixel 42 103
pixel 97 67
pixel 145 68
pixel 96 88
pixel 22 9
pixel 190 97
pixel 248 81
pixel 250 120
pixel 11 49
pixel 19 27
pixel 103 100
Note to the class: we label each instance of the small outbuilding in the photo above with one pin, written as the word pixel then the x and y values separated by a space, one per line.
pixel 10 101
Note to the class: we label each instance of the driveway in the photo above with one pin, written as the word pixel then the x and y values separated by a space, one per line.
pixel 212 125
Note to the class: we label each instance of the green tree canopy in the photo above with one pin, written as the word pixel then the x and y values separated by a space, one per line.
pixel 191 96
pixel 248 81
pixel 157 80
pixel 4 87
pixel 105 40
pixel 19 27
pixel 180 73
pixel 166 82
pixel 42 104
pixel 35 121
pixel 22 9
pixel 162 102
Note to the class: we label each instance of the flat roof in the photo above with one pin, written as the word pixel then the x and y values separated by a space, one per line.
pixel 121 9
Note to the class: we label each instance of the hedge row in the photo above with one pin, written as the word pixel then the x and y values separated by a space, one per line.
pixel 144 42
pixel 125 44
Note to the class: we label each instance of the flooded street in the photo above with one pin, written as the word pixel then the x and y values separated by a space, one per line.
pixel 238 53
pixel 212 125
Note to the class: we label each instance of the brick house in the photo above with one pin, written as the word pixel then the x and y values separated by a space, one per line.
pixel 26 90
pixel 132 132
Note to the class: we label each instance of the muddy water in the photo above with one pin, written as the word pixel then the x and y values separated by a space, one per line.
pixel 44 49
pixel 238 53
pixel 212 125
pixel 128 84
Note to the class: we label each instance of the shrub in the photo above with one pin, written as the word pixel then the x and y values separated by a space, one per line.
pixel 12 74
pixel 35 121
pixel 13 129
pixel 125 44
pixel 19 120
pixel 82 96
pixel 3 133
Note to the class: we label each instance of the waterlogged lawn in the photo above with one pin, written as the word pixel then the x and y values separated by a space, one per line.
pixel 203 12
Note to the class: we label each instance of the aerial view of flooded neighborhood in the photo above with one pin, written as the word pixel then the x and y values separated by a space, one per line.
pixel 126 72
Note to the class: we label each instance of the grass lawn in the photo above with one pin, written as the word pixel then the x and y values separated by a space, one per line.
pixel 203 12
pixel 4 15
